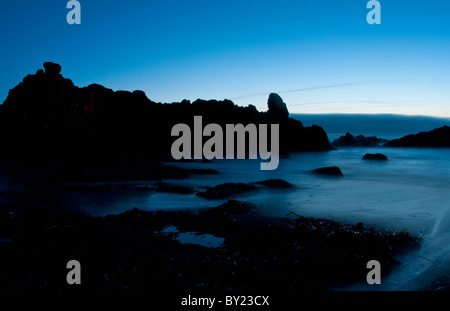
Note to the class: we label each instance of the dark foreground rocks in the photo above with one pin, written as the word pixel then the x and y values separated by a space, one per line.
pixel 139 251
pixel 231 189
pixel 375 156
pixel 98 172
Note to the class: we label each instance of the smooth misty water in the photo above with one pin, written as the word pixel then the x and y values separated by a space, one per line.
pixel 409 192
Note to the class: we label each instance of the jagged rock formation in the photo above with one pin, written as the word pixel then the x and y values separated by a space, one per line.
pixel 348 140
pixel 47 115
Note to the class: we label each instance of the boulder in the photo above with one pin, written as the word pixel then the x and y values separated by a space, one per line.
pixel 329 171
pixel 52 68
pixel 376 156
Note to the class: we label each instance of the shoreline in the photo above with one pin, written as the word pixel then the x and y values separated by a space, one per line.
pixel 131 253
pixel 137 251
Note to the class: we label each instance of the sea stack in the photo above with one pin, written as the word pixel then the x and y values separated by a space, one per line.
pixel 277 107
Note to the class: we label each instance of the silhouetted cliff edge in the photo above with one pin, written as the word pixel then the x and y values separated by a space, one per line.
pixel 439 137
pixel 47 115
pixel 348 140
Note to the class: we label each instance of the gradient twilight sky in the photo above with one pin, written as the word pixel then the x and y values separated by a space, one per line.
pixel 320 56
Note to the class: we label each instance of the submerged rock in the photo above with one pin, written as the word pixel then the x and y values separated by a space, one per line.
pixel 226 190
pixel 169 188
pixel 329 171
pixel 275 183
pixel 376 156
pixel 202 171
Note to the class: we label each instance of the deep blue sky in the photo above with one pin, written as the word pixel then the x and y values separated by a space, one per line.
pixel 323 52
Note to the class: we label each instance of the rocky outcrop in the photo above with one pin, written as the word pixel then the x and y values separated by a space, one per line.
pixel 49 114
pixel 376 157
pixel 439 137
pixel 348 140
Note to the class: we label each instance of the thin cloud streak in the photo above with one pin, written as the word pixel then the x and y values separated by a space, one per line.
pixel 375 103
pixel 330 86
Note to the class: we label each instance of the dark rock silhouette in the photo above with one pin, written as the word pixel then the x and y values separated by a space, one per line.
pixel 329 171
pixel 48 116
pixel 52 68
pixel 348 140
pixel 275 183
pixel 439 137
pixel 229 189
pixel 376 156
pixel 277 107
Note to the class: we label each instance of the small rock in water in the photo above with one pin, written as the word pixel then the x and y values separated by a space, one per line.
pixel 376 156
pixel 275 183
pixel 330 171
